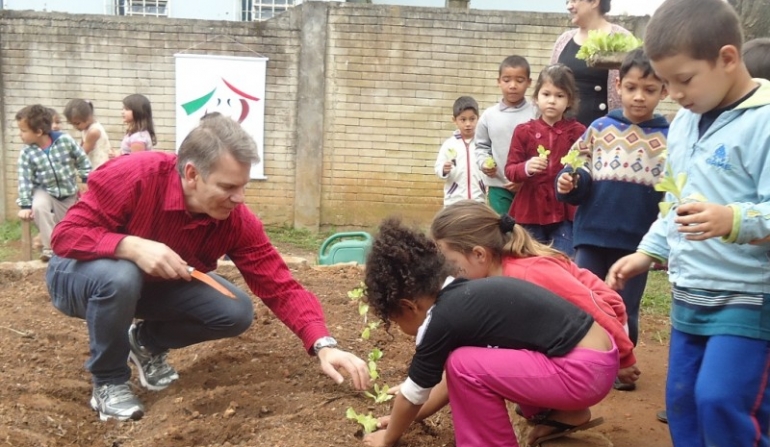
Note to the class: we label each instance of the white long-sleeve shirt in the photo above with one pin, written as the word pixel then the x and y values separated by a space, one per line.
pixel 465 181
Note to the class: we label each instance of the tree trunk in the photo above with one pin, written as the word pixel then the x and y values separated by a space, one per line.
pixel 755 16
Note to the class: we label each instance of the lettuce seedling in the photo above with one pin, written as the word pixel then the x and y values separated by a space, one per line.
pixel 380 395
pixel 367 421
pixel 367 332
pixel 452 154
pixel 374 357
pixel 490 163
pixel 542 152
pixel 575 162
pixel 675 186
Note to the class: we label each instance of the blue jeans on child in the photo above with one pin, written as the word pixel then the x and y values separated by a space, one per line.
pixel 598 261
pixel 717 391
pixel 558 234
pixel 110 293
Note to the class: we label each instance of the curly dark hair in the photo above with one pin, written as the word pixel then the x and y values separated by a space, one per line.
pixel 403 264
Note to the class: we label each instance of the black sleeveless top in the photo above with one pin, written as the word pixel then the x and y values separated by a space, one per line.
pixel 591 84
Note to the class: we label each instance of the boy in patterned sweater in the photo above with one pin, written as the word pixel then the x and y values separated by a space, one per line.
pixel 625 153
pixel 48 164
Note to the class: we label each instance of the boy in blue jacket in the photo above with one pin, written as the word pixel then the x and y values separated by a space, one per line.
pixel 719 147
pixel 49 164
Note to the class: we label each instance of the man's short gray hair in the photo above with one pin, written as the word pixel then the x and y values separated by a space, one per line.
pixel 214 137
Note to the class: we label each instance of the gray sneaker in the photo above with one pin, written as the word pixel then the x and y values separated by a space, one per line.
pixel 154 372
pixel 46 254
pixel 116 402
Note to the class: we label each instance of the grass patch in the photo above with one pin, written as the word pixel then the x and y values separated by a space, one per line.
pixel 657 295
pixel 10 231
pixel 297 237
pixel 656 303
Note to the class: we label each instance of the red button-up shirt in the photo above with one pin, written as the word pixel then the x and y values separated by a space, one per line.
pixel 141 195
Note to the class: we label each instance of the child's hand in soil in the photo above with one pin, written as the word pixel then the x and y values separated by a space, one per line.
pixel 629 374
pixel 377 439
pixel 536 165
pixel 333 359
pixel 701 220
pixel 565 183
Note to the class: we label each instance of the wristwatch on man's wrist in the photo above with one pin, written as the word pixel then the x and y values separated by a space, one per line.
pixel 324 342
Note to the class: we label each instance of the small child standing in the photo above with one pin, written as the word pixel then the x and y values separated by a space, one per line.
pixel 140 130
pixel 93 137
pixel 456 162
pixel 496 127
pixel 552 354
pixel 625 154
pixel 55 119
pixel 756 55
pixel 535 155
pixel 49 164
pixel 717 389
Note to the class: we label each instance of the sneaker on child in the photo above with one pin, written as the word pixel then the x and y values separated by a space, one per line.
pixel 154 371
pixel 46 254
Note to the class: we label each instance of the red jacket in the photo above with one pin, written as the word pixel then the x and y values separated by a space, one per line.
pixel 581 288
pixel 535 203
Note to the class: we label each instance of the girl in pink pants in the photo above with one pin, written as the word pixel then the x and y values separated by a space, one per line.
pixel 500 339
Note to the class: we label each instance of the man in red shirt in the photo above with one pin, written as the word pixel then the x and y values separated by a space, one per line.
pixel 123 252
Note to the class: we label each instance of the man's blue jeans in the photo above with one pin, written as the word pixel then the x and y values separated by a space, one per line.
pixel 110 293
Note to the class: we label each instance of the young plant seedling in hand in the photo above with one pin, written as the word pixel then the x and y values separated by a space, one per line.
pixel 542 152
pixel 452 154
pixel 675 186
pixel 575 162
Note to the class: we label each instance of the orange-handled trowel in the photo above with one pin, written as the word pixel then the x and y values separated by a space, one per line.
pixel 200 276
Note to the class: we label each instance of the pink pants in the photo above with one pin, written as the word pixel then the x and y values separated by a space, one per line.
pixel 480 380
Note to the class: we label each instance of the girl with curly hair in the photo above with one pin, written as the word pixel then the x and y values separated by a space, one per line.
pixel 551 353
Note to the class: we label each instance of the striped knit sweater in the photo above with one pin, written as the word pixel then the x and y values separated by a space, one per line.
pixel 616 196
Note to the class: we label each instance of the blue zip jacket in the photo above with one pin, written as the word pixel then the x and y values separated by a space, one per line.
pixel 724 282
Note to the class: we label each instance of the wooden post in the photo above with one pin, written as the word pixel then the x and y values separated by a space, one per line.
pixel 26 241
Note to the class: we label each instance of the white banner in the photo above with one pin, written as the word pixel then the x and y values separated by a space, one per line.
pixel 232 86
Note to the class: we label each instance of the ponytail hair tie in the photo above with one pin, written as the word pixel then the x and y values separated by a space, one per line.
pixel 507 223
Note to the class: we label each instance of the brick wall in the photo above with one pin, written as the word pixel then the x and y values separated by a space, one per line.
pixel 50 58
pixel 391 76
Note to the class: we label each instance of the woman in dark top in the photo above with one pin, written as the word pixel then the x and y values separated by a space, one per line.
pixel 597 87
pixel 497 338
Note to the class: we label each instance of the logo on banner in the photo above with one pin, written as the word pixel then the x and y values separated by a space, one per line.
pixel 221 102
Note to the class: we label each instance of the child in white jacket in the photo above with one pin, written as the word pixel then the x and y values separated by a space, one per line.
pixel 456 162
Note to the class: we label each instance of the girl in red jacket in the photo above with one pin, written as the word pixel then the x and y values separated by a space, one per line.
pixel 534 159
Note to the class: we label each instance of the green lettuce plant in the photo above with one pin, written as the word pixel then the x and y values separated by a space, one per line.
pixel 380 395
pixel 367 421
pixel 675 185
pixel 574 161
pixel 374 357
pixel 601 42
